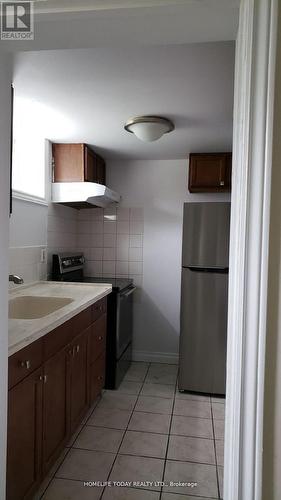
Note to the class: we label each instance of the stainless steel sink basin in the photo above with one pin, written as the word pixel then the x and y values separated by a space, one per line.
pixel 30 307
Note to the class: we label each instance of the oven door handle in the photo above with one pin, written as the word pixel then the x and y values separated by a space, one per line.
pixel 126 294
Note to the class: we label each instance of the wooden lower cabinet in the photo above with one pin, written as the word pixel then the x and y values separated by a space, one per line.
pixel 55 406
pixel 97 339
pixel 24 437
pixel 79 381
pixel 97 377
pixel 97 346
pixel 46 407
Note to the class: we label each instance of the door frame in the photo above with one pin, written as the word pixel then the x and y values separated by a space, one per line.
pixel 253 121
pixel 5 103
pixel 249 247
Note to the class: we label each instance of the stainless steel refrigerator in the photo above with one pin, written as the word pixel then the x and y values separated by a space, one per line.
pixel 204 291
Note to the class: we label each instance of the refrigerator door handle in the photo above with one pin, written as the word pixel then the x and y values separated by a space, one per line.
pixel 199 269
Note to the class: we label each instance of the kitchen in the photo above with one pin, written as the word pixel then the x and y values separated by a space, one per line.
pixel 139 239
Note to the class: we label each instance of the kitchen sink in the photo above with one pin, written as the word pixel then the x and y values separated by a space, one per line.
pixel 30 307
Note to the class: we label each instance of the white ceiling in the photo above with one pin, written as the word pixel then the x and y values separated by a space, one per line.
pixel 65 24
pixel 87 96
pixel 78 5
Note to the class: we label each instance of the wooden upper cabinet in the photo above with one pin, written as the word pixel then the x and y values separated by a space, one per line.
pixel 90 168
pixel 209 172
pixel 100 170
pixel 77 163
pixel 68 161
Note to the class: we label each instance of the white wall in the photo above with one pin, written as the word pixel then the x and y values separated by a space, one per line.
pixel 272 413
pixel 28 236
pixel 5 92
pixel 33 227
pixel 28 224
pixel 160 188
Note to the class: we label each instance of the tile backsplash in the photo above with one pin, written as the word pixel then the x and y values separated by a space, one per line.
pixel 112 242
pixel 26 262
pixel 111 239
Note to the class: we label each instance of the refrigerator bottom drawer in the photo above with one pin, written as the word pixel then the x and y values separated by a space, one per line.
pixel 203 332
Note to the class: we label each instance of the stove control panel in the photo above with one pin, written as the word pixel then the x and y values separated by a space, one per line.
pixel 64 262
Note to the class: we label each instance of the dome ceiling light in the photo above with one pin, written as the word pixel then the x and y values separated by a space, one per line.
pixel 149 128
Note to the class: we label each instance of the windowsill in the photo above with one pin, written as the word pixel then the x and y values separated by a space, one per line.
pixel 27 197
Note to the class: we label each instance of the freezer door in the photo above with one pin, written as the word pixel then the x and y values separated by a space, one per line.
pixel 203 331
pixel 206 234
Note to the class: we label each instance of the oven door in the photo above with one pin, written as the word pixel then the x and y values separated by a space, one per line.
pixel 124 320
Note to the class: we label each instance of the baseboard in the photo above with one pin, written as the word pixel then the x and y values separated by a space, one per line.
pixel 156 357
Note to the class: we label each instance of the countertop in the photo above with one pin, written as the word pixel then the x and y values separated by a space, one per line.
pixel 23 332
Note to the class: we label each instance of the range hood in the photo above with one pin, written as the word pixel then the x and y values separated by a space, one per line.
pixel 83 194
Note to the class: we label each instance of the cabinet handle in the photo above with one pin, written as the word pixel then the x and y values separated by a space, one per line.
pixel 78 348
pixel 45 379
pixel 221 183
pixel 26 364
pixel 100 337
pixel 100 377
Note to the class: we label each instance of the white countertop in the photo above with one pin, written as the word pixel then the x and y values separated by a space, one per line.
pixel 23 332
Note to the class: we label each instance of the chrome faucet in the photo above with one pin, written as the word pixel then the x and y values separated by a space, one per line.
pixel 16 279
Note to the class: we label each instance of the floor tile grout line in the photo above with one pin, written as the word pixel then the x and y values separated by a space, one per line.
pixel 127 454
pixel 169 434
pixel 154 412
pixel 201 418
pixel 125 430
pixel 193 497
pixel 149 432
pixel 133 430
pixel 192 437
pixel 217 474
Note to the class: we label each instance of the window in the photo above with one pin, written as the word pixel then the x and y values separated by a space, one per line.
pixel 29 151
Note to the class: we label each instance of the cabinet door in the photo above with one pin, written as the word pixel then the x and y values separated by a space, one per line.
pixel 99 308
pixel 24 437
pixel 100 170
pixel 97 338
pixel 97 377
pixel 209 172
pixel 90 171
pixel 78 384
pixel 68 162
pixel 24 362
pixel 55 406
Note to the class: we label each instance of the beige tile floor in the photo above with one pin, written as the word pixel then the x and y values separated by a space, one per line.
pixel 146 431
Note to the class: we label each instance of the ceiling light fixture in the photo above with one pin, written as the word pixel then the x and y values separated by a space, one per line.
pixel 149 128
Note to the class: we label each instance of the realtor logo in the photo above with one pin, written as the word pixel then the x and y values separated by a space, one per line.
pixel 17 20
